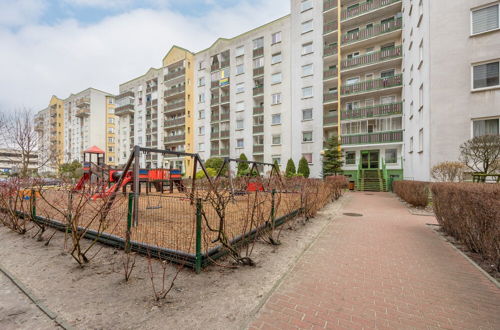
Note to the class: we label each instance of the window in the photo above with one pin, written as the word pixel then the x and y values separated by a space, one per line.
pixel 240 124
pixel 421 140
pixel 485 127
pixel 239 51
pixel 240 87
pixel 240 69
pixel 111 149
pixel 307 114
pixel 421 53
pixel 111 130
pixel 307 26
pixel 307 70
pixel 276 119
pixel 258 43
pixel 308 157
pixel 307 48
pixel 387 74
pixel 411 110
pixel 421 97
pixel 276 139
pixel 391 156
pixel 201 146
pixel 411 144
pixel 201 98
pixel 111 120
pixel 201 130
pixel 275 38
pixel 352 81
pixel 306 5
pixel 307 136
pixel 201 65
pixel 276 98
pixel 350 158
pixel 276 78
pixel 258 63
pixel 276 58
pixel 485 19
pixel 201 82
pixel 307 92
pixel 240 143
pixel 201 114
pixel 240 106
pixel 111 140
pixel 486 75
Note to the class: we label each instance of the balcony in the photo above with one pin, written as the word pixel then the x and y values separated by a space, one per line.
pixel 215 67
pixel 329 74
pixel 224 99
pixel 224 64
pixel 214 117
pixel 214 84
pixel 151 89
pixel 174 91
pixel 374 31
pixel 258 110
pixel 258 149
pixel 39 127
pixel 329 27
pixel 214 152
pixel 84 112
pixel 53 112
pixel 372 85
pixel 124 110
pixel 258 52
pixel 372 58
pixel 329 4
pixel 375 111
pixel 258 129
pixel 175 106
pixel 83 102
pixel 258 90
pixel 369 138
pixel 152 103
pixel 224 116
pixel 214 135
pixel 214 100
pixel 124 95
pixel 224 152
pixel 224 134
pixel 330 120
pixel 174 138
pixel 258 71
pixel 175 122
pixel 364 8
pixel 330 97
pixel 175 74
pixel 329 50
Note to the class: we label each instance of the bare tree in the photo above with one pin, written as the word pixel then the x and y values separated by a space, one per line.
pixel 482 153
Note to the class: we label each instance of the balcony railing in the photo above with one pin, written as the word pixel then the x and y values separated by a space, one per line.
pixel 224 152
pixel 84 112
pixel 83 102
pixel 258 129
pixel 258 71
pixel 224 134
pixel 175 106
pixel 365 7
pixel 53 112
pixel 258 110
pixel 330 120
pixel 214 100
pixel 258 149
pixel 372 58
pixel 376 30
pixel 214 117
pixel 224 64
pixel 124 110
pixel 330 27
pixel 214 152
pixel 371 85
pixel 258 90
pixel 379 137
pixel 224 116
pixel 329 4
pixel 214 84
pixel 214 135
pixel 374 111
pixel 175 74
pixel 124 95
pixel 329 50
pixel 224 99
pixel 175 122
pixel 258 52
pixel 330 73
pixel 174 91
pixel 174 138
pixel 329 97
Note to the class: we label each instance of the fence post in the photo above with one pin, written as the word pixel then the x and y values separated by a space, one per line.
pixel 273 193
pixel 33 204
pixel 198 236
pixel 129 221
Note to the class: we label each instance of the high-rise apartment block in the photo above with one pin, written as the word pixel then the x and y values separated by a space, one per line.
pixel 400 83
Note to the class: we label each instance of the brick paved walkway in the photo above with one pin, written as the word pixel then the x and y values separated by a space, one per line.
pixel 386 269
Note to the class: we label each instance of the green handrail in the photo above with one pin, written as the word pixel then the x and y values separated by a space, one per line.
pixel 358 175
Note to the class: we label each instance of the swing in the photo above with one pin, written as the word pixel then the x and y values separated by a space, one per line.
pixel 149 206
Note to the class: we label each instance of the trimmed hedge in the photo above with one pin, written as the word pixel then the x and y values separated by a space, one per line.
pixel 414 192
pixel 470 212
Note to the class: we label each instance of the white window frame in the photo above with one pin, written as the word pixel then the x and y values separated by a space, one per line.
pixel 302 9
pixel 242 143
pixel 308 74
pixel 276 136
pixel 303 24
pixel 312 113
pixel 275 115
pixel 306 88
pixel 278 81
pixel 303 138
pixel 242 121
pixel 479 8
pixel 307 44
pixel 242 67
pixel 238 86
pixel 472 77
pixel 239 51
pixel 276 38
pixel 275 98
pixel 274 55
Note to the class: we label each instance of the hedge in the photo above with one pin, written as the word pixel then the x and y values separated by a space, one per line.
pixel 470 212
pixel 414 192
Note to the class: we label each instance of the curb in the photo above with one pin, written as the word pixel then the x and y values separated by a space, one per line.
pixel 53 316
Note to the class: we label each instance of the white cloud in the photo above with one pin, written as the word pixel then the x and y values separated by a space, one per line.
pixel 38 61
pixel 20 12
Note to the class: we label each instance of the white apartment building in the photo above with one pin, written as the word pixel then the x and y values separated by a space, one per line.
pixel 88 121
pixel 451 80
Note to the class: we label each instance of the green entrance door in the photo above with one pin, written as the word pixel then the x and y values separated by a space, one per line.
pixel 369 159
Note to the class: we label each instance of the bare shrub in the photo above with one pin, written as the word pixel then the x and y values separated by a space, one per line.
pixel 448 172
pixel 470 212
pixel 414 192
pixel 482 153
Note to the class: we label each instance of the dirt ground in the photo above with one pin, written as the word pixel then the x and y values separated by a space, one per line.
pixel 97 297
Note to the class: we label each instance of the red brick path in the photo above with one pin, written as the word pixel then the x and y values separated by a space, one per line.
pixel 386 269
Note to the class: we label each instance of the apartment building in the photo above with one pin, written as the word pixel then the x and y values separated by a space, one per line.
pixel 242 95
pixel 89 120
pixel 451 82
pixel 49 124
pixel 11 161
pixel 155 110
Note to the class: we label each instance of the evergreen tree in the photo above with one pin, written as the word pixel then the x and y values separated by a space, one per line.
pixel 303 168
pixel 332 158
pixel 242 168
pixel 276 166
pixel 290 169
pixel 216 163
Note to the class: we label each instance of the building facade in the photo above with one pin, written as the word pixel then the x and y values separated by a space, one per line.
pixel 11 161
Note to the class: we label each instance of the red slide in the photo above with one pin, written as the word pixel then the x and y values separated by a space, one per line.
pixel 111 189
pixel 81 182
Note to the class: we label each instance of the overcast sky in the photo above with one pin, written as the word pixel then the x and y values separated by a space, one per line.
pixel 50 47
